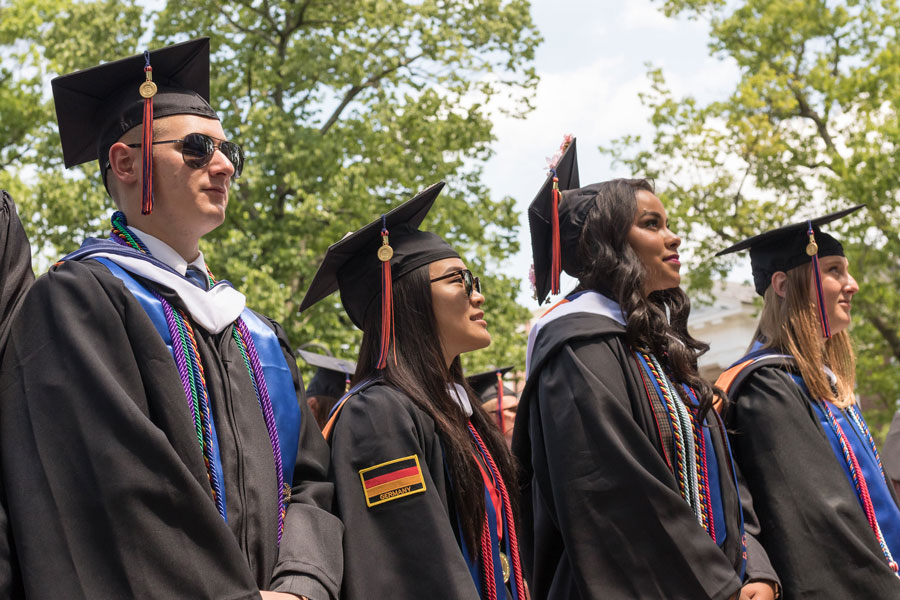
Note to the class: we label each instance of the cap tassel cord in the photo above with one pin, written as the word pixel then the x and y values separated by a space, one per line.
pixel 556 253
pixel 500 402
pixel 387 304
pixel 812 249
pixel 147 91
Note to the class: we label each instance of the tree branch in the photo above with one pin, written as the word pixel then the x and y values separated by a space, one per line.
pixel 807 112
pixel 356 89
pixel 886 330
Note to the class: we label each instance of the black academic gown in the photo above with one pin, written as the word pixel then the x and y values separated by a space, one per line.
pixel 16 275
pixel 16 278
pixel 106 486
pixel 404 549
pixel 608 519
pixel 817 535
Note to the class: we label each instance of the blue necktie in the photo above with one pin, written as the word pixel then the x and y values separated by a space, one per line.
pixel 197 277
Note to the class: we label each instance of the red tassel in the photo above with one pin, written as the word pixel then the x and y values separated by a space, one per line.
pixel 387 301
pixel 500 420
pixel 147 147
pixel 147 91
pixel 556 261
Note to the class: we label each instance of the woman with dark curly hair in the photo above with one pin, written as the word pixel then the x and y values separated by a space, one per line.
pixel 424 482
pixel 627 476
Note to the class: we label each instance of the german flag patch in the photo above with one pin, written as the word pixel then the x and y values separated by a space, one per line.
pixel 392 480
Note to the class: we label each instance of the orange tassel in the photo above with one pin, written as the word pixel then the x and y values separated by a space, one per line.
pixel 387 301
pixel 556 261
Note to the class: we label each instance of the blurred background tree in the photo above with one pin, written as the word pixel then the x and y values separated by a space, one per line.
pixel 811 126
pixel 345 108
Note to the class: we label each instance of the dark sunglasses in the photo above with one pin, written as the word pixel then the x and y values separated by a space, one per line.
pixel 197 150
pixel 471 282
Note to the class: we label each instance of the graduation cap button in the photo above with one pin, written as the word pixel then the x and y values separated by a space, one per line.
pixel 147 89
pixel 385 253
pixel 812 248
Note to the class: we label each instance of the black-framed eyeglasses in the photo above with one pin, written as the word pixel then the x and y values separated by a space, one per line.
pixel 470 281
pixel 197 150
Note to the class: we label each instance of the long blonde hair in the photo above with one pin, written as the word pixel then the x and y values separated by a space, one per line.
pixel 791 325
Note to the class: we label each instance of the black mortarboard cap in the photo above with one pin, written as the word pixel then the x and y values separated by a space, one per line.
pixel 353 265
pixel 485 385
pixel 785 248
pixel 96 106
pixel 332 374
pixel 573 205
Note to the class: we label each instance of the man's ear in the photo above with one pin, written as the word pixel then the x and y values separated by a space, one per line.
pixel 122 163
pixel 779 283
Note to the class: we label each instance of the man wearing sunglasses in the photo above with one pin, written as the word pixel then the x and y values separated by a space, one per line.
pixel 153 438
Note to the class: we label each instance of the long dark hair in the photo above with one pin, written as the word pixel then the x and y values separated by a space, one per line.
pixel 421 373
pixel 656 321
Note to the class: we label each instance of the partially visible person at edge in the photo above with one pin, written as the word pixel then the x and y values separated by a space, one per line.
pixel 150 436
pixel 329 384
pixel 891 454
pixel 423 480
pixel 16 277
pixel 828 514
pixel 629 490
pixel 497 399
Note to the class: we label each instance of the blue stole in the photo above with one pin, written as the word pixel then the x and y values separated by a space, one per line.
pixel 712 468
pixel 275 371
pixel 712 462
pixel 474 565
pixel 886 511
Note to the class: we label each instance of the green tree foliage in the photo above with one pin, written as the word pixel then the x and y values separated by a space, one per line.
pixel 811 126
pixel 345 108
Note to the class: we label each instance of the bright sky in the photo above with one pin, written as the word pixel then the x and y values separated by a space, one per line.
pixel 592 67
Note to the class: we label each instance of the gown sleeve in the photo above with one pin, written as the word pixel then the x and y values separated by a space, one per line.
pixel 401 545
pixel 626 530
pixel 310 559
pixel 759 567
pixel 101 503
pixel 811 522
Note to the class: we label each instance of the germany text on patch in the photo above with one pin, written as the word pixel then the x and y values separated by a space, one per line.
pixel 392 480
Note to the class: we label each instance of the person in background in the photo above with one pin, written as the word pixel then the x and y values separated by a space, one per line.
pixel 496 399
pixel 152 439
pixel 328 385
pixel 628 490
pixel 423 479
pixel 827 510
pixel 16 277
pixel 891 453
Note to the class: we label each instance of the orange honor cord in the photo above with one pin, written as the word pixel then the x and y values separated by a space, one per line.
pixel 385 253
pixel 147 91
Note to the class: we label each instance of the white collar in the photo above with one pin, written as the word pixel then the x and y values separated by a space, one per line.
pixel 586 302
pixel 458 393
pixel 164 253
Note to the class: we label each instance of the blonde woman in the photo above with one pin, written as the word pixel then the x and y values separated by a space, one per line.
pixel 828 517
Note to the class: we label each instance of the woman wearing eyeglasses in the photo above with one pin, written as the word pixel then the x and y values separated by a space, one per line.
pixel 423 480
pixel 630 489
